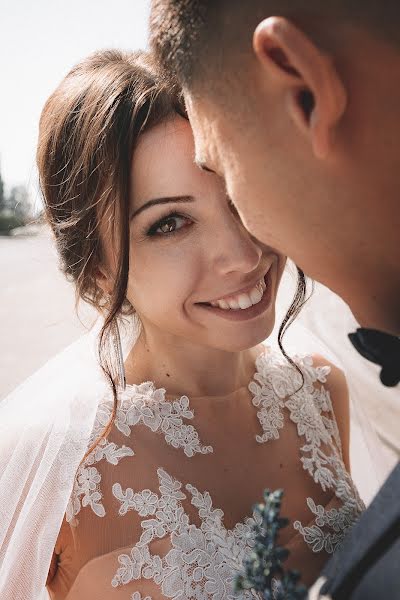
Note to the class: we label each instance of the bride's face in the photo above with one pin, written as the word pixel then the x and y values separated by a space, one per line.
pixel 195 272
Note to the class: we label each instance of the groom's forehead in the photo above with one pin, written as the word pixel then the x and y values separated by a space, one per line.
pixel 206 127
pixel 200 129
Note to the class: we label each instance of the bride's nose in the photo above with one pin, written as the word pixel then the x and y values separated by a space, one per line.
pixel 234 249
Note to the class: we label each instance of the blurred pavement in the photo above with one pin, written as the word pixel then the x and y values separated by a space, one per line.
pixel 37 314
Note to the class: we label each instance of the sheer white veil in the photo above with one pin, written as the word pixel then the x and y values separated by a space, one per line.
pixel 45 426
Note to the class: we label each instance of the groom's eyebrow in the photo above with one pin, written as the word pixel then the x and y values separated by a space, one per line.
pixel 155 201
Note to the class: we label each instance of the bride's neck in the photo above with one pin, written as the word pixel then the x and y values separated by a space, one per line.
pixel 185 368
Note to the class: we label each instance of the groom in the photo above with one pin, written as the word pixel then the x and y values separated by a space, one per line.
pixel 296 103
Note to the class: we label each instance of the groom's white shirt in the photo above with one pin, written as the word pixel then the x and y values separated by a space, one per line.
pixel 314 592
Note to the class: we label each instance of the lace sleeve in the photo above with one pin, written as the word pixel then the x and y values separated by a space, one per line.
pixel 338 407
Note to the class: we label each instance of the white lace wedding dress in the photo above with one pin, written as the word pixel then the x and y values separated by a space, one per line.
pixel 163 507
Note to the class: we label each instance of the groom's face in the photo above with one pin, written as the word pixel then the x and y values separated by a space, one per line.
pixel 267 169
pixel 334 216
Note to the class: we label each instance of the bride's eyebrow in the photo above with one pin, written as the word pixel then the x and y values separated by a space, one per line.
pixel 167 200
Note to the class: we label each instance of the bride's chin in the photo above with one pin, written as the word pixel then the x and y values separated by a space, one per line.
pixel 241 340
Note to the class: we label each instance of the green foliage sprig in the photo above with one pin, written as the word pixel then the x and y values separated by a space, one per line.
pixel 263 570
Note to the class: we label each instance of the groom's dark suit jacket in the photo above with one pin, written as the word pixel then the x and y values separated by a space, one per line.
pixel 367 565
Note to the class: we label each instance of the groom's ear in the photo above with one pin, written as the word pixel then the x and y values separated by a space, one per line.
pixel 305 76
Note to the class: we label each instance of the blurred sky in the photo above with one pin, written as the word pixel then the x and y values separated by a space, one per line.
pixel 39 42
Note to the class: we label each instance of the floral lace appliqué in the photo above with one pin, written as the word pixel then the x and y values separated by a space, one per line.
pixel 137 404
pixel 278 386
pixel 202 562
pixel 150 408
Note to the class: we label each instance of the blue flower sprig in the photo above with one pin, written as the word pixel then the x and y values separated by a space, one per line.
pixel 263 569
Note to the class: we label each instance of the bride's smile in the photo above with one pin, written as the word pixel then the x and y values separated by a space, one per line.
pixel 242 299
pixel 246 304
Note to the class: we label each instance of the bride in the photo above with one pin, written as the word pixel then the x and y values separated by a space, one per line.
pixel 136 478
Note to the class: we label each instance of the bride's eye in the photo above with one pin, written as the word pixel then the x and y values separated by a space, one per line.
pixel 168 225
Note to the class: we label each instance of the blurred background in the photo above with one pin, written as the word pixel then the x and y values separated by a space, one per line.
pixel 39 43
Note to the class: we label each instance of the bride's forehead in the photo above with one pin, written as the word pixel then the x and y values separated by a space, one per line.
pixel 173 134
pixel 163 162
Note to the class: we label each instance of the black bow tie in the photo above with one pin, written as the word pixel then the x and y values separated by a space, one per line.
pixel 382 349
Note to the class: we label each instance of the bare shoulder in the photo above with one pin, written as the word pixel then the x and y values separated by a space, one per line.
pixel 336 380
pixel 337 387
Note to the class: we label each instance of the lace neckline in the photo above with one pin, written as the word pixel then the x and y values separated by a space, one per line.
pixel 131 389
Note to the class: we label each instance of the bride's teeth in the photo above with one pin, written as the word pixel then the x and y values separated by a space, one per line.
pixel 244 301
pixel 256 295
pixel 223 304
pixel 233 303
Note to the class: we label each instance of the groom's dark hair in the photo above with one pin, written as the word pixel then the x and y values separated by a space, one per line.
pixel 195 39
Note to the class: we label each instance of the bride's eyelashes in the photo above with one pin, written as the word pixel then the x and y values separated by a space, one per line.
pixel 170 225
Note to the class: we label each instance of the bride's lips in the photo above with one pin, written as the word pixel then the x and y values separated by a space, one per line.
pixel 247 313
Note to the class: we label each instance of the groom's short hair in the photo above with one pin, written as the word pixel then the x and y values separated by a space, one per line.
pixel 195 39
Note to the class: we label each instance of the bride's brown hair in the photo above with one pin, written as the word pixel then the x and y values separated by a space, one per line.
pixel 88 131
